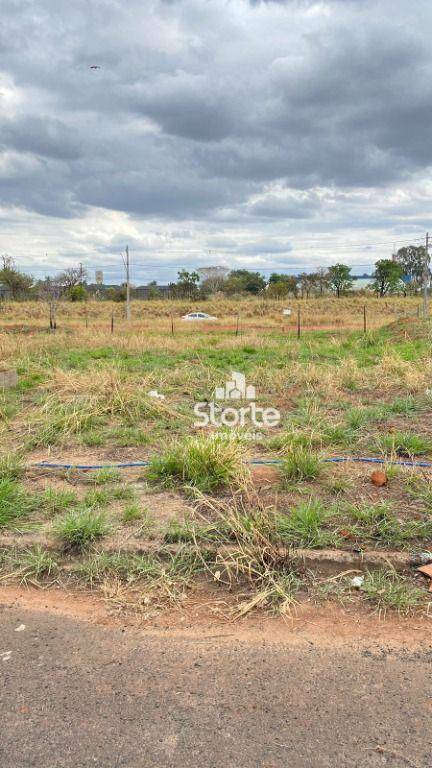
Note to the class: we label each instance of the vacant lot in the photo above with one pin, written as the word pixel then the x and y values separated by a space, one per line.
pixel 200 522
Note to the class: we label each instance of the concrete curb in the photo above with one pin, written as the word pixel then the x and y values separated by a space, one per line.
pixel 326 562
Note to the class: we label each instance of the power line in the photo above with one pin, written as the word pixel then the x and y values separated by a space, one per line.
pixel 298 243
pixel 145 266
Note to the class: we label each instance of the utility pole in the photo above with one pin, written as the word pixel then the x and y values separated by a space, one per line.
pixel 426 275
pixel 128 305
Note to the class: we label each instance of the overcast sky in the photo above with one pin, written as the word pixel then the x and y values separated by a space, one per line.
pixel 275 135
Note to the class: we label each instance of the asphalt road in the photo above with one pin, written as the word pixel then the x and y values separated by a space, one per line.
pixel 74 694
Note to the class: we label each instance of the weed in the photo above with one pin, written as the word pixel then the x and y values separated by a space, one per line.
pixel 93 438
pixel 11 466
pixel 53 501
pixel 206 463
pixel 37 564
pixel 300 464
pixel 126 437
pixel 126 566
pixel 189 531
pixel 378 522
pixel 103 497
pixel 132 513
pixel 30 566
pixel 340 484
pixel 81 527
pixel 15 503
pixel 338 434
pixel 388 589
pixel 179 531
pixel 294 439
pixel 405 444
pixel 392 471
pixel 122 493
pixel 305 526
pixel 420 489
pixel 164 575
pixel 404 405
pixel 254 559
pixel 103 476
pixel 97 497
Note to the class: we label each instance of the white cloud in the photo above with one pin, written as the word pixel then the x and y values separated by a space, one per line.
pixel 271 129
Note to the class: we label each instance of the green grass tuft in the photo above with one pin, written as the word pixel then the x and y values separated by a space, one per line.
pixel 11 466
pixel 388 589
pixel 53 501
pixel 405 444
pixel 300 464
pixel 15 503
pixel 79 528
pixel 305 526
pixel 207 463
pixel 103 476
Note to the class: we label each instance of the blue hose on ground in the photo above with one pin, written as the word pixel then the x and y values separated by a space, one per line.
pixel 265 462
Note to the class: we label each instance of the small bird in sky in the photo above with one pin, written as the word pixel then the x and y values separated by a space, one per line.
pixel 94 66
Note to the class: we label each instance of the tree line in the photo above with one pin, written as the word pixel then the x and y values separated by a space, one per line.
pixel 403 274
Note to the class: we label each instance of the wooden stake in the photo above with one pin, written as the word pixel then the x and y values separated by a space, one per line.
pixel 172 325
pixel 364 319
pixel 298 323
pixel 238 324
pixel 112 322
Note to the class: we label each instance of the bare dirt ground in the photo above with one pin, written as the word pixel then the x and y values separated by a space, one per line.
pixel 83 685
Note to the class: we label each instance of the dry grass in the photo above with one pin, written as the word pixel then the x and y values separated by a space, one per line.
pixel 83 395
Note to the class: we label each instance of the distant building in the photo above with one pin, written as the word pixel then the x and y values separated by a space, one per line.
pixel 140 292
pixel 4 292
pixel 146 292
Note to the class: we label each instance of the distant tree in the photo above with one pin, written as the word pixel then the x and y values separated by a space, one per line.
pixel 116 293
pixel 277 290
pixel 322 280
pixel 153 290
pixel 340 279
pixel 244 281
pixel 412 259
pixel 71 277
pixel 213 278
pixel 19 284
pixel 187 285
pixel 49 291
pixel 77 293
pixel 283 285
pixel 387 277
pixel 307 282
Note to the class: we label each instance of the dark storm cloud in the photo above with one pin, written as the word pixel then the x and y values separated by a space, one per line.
pixel 200 109
pixel 275 207
pixel 44 137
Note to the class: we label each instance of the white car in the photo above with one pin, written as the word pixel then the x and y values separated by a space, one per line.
pixel 198 316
